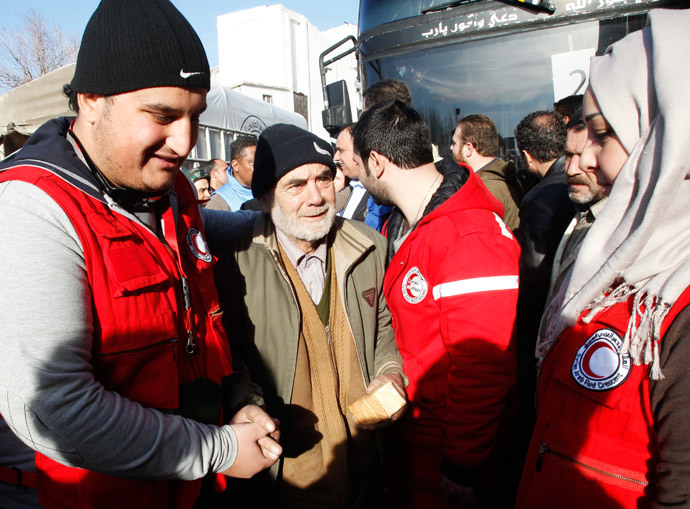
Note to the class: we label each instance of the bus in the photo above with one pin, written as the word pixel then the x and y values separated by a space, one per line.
pixel 504 59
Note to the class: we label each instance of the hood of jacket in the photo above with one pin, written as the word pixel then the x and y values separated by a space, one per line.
pixel 454 178
pixel 49 148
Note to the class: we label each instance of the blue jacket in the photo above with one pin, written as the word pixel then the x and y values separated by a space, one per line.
pixel 234 193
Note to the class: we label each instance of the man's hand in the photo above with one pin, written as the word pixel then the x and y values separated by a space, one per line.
pixel 257 415
pixel 257 439
pixel 464 496
pixel 399 385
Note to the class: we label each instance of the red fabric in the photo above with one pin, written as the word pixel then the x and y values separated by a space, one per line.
pixel 458 351
pixel 141 328
pixel 18 477
pixel 589 432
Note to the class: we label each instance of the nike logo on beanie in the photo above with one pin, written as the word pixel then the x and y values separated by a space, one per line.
pixel 186 75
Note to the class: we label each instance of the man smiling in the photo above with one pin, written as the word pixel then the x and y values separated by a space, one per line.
pixel 302 290
pixel 113 357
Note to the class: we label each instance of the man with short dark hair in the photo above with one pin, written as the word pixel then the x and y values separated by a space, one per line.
pixel 303 299
pixel 452 285
pixel 113 364
pixel 384 90
pixel 475 143
pixel 238 187
pixel 545 213
pixel 217 172
pixel 568 106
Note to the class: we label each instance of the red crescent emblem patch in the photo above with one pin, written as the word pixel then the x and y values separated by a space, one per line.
pixel 599 364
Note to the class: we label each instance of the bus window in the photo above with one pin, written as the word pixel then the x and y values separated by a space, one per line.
pixel 502 77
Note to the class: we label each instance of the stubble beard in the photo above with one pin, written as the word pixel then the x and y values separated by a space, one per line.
pixel 381 194
pixel 583 198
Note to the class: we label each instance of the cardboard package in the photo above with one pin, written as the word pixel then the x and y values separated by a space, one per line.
pixel 378 405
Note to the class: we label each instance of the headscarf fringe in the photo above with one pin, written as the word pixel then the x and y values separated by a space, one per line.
pixel 642 335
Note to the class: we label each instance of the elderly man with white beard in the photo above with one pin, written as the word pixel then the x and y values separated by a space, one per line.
pixel 304 307
pixel 588 195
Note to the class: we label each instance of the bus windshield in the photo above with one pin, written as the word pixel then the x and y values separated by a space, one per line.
pixel 503 77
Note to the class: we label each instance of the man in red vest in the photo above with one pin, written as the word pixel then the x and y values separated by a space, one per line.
pixel 114 355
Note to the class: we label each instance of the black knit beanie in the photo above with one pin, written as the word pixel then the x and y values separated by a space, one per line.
pixel 133 44
pixel 282 148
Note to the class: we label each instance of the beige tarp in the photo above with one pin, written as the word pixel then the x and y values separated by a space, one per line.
pixel 27 107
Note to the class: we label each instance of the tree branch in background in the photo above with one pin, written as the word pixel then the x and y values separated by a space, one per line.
pixel 36 48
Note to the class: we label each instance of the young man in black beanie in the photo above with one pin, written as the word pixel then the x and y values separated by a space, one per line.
pixel 113 351
pixel 302 292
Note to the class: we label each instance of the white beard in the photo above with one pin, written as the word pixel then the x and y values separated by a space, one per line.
pixel 291 225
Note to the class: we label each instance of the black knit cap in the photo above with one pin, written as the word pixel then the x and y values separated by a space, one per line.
pixel 133 44
pixel 282 148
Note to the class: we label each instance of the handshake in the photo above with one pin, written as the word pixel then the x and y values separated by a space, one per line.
pixel 258 437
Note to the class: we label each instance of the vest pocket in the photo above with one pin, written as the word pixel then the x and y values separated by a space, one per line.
pixel 596 469
pixel 133 268
pixel 568 481
pixel 147 374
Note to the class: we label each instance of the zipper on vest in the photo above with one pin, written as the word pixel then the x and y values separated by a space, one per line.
pixel 186 293
pixel 544 449
pixel 190 348
pixel 191 345
pixel 331 356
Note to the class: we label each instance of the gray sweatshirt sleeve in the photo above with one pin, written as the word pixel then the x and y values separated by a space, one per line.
pixel 48 395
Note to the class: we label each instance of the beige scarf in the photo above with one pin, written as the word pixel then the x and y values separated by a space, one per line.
pixel 328 377
pixel 640 245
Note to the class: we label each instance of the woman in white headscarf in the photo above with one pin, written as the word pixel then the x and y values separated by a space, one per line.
pixel 613 404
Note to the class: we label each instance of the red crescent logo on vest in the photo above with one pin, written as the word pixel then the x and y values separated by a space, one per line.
pixel 197 245
pixel 414 286
pixel 599 364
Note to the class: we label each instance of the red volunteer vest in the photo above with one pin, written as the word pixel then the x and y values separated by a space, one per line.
pixel 148 338
pixel 594 444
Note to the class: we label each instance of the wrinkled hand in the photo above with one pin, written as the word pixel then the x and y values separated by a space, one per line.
pixel 464 496
pixel 257 438
pixel 399 385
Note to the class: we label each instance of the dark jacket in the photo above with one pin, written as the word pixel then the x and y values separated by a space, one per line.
pixel 360 212
pixel 544 215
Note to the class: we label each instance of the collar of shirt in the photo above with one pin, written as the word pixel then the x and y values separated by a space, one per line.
pixel 597 207
pixel 310 267
pixel 295 253
pixel 358 191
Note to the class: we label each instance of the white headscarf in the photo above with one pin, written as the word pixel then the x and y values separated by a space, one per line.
pixel 640 245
